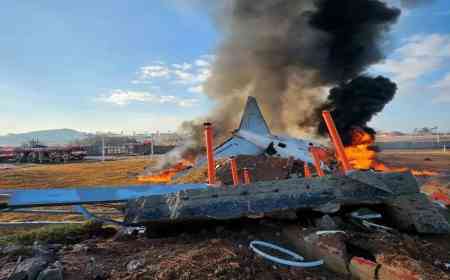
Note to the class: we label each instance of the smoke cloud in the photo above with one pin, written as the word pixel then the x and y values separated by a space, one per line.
pixel 286 52
pixel 353 104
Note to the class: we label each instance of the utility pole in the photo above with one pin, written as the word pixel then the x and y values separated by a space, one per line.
pixel 103 147
pixel 152 145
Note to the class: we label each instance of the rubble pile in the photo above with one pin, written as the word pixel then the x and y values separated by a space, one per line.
pixel 220 251
pixel 261 168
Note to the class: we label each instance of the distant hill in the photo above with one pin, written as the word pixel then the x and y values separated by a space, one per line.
pixel 47 137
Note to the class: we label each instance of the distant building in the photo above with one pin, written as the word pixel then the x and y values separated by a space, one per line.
pixel 161 139
pixel 124 145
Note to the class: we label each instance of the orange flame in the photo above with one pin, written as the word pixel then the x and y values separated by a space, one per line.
pixel 363 156
pixel 166 175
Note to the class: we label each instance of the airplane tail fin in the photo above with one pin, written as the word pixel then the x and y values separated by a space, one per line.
pixel 252 119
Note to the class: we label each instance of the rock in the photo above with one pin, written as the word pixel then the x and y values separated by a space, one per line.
pixel 363 269
pixel 326 223
pixel 135 265
pixel 85 246
pixel 399 267
pixel 15 250
pixel 29 269
pixel 416 212
pixel 40 249
pixel 80 248
pixel 53 272
pixel 93 271
pixel 125 234
pixel 330 248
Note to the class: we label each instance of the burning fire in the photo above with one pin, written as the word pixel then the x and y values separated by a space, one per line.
pixel 167 174
pixel 363 156
pixel 361 153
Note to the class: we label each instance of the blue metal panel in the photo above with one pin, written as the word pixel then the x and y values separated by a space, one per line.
pixel 86 195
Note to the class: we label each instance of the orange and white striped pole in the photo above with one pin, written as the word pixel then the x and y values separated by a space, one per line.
pixel 247 179
pixel 306 169
pixel 337 141
pixel 210 153
pixel 316 160
pixel 234 171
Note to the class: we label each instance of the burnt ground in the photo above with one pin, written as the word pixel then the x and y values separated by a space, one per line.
pixel 431 160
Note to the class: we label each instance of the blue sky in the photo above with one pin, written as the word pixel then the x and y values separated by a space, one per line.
pixel 116 65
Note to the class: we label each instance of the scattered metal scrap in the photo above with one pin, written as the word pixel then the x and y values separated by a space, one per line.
pixel 22 201
pixel 85 195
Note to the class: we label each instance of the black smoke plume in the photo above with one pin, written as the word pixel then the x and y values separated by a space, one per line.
pixel 353 104
pixel 284 52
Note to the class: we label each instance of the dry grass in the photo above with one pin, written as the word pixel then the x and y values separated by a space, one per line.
pixel 110 173
pixel 55 234
pixel 86 174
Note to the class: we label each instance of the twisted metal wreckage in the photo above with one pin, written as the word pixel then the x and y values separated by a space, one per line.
pixel 397 194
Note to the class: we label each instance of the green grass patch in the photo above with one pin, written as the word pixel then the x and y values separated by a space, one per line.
pixel 65 234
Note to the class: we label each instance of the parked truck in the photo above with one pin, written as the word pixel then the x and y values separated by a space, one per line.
pixel 42 154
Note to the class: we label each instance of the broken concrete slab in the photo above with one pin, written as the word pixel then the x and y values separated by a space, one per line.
pixel 330 247
pixel 363 269
pixel 368 178
pixel 53 272
pixel 326 223
pixel 396 267
pixel 29 268
pixel 416 212
pixel 323 194
pixel 253 199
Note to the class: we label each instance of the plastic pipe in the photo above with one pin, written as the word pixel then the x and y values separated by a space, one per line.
pixel 210 153
pixel 295 256
pixel 337 141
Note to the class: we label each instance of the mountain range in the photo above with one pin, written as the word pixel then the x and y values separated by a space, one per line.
pixel 47 137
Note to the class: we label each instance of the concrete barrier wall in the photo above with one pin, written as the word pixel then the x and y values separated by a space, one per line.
pixel 412 145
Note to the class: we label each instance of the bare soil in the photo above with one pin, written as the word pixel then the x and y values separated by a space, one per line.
pixel 430 160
